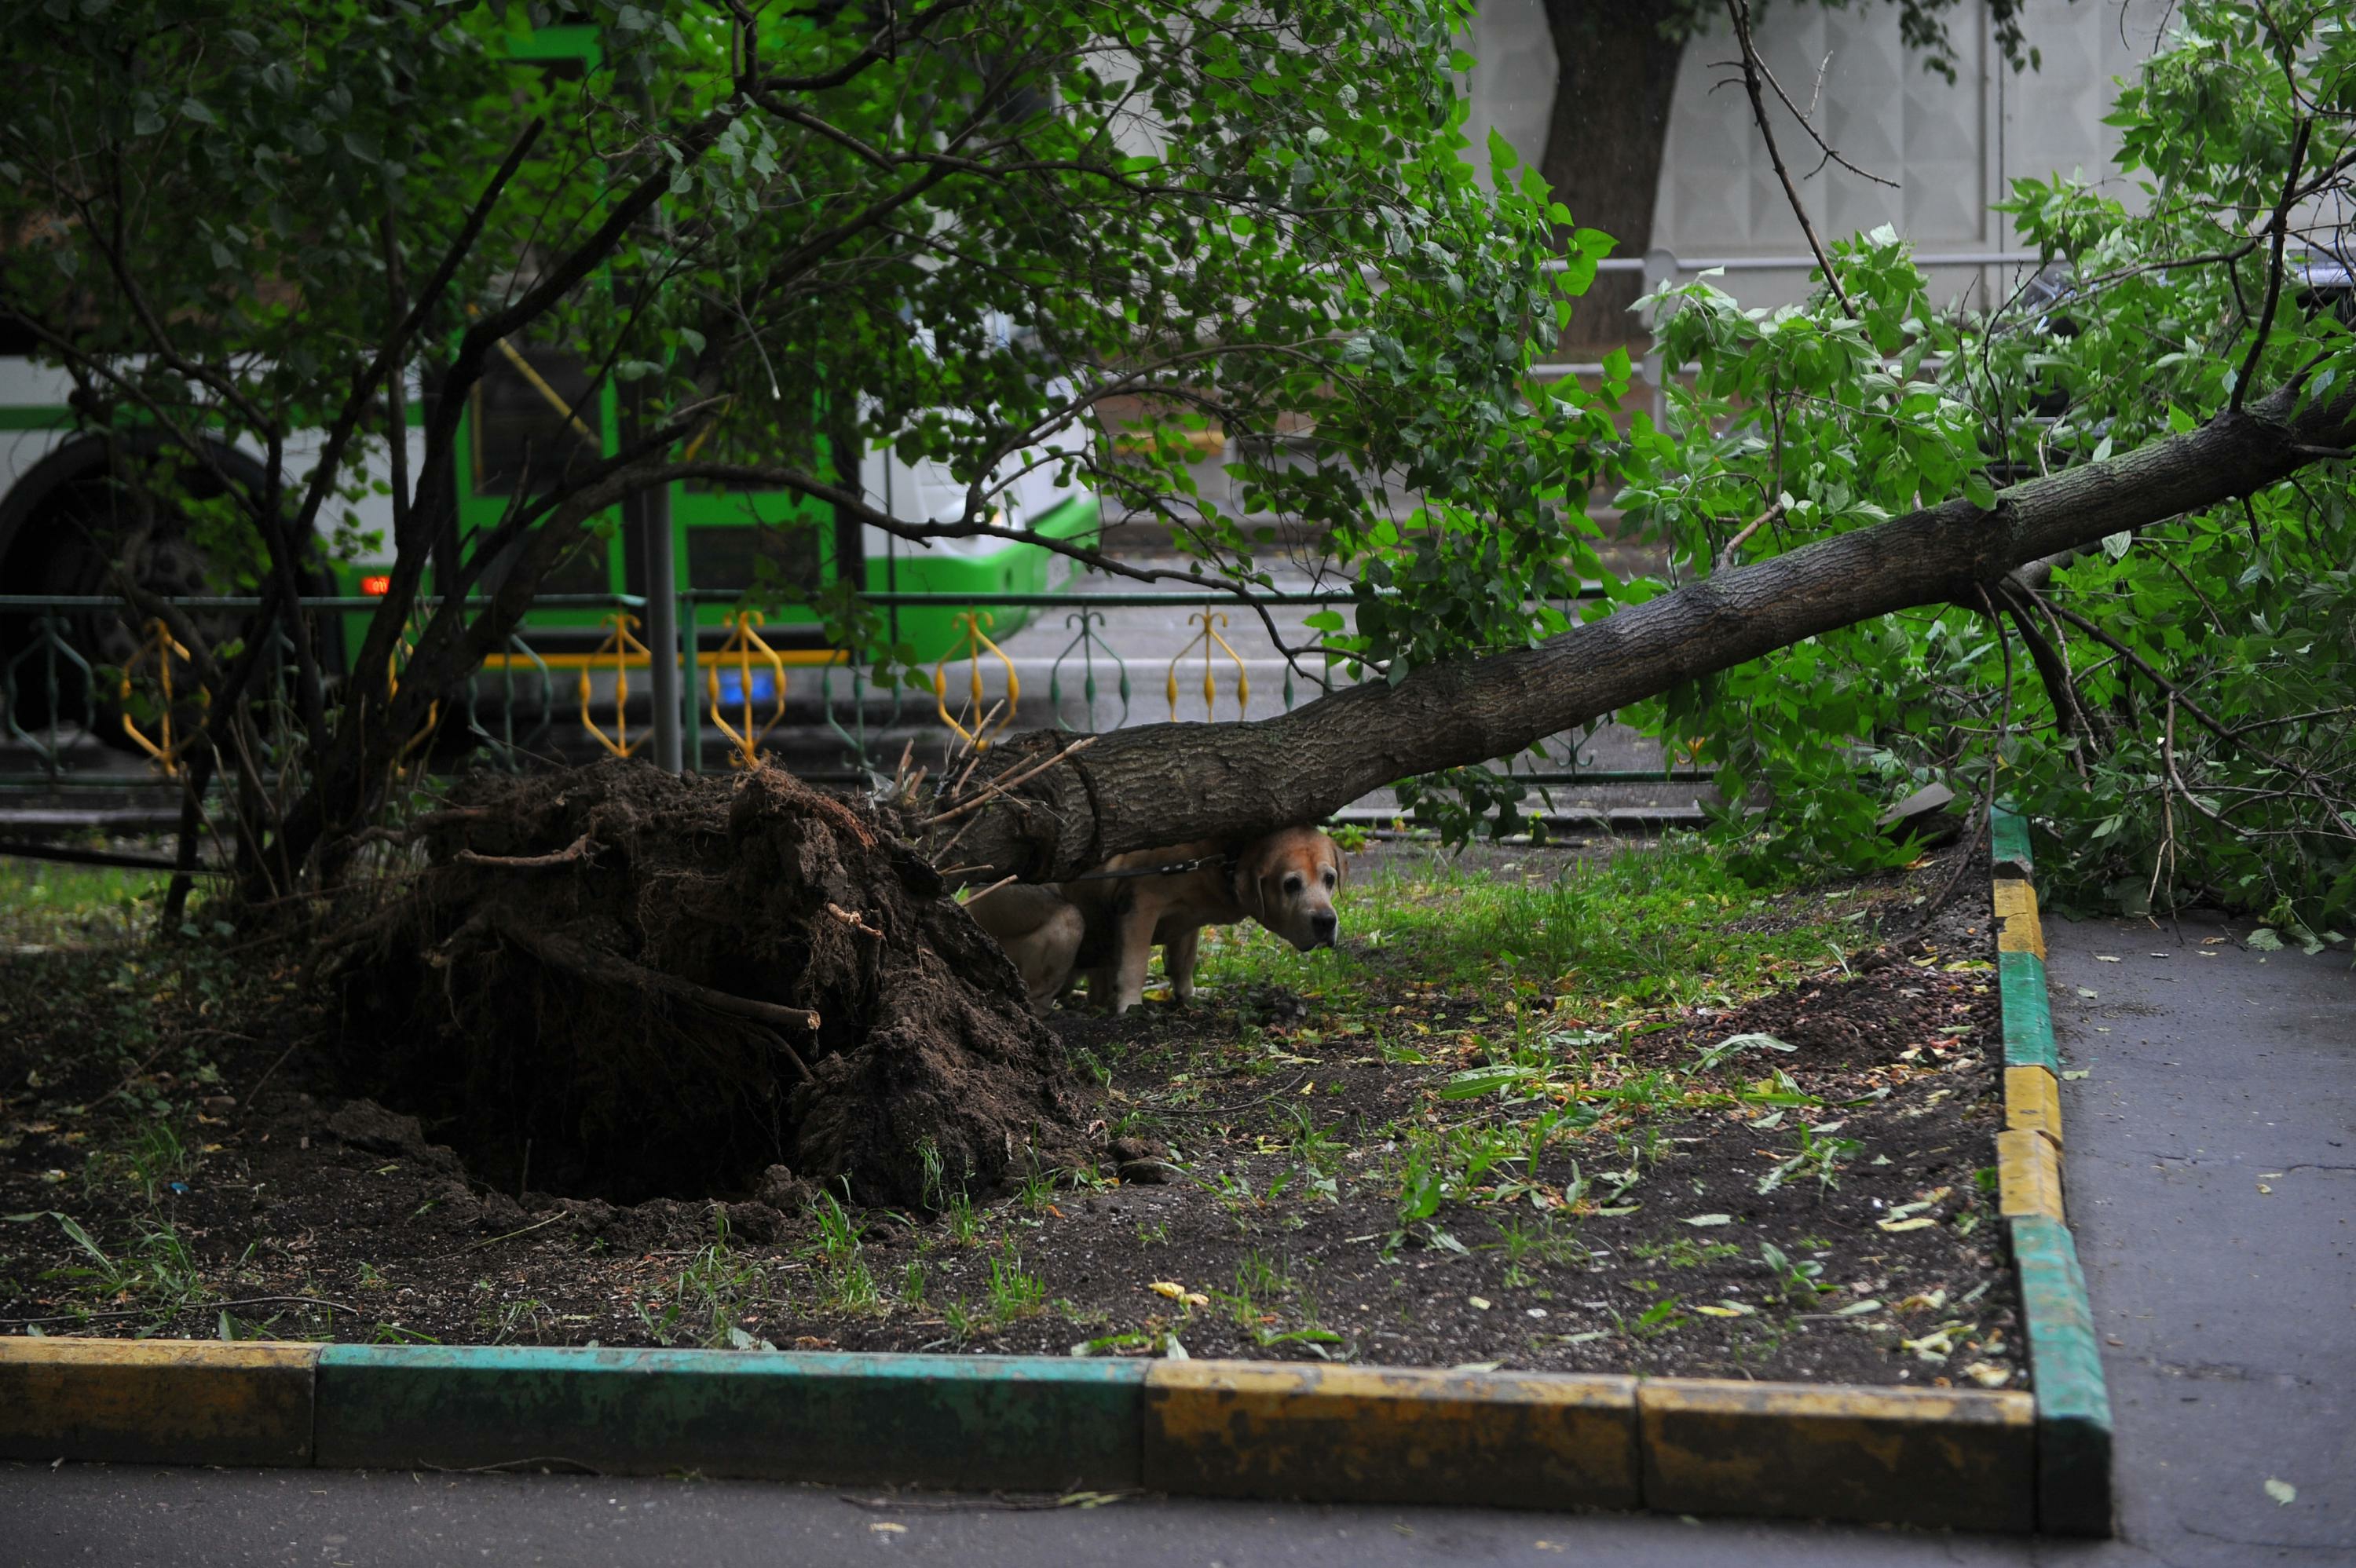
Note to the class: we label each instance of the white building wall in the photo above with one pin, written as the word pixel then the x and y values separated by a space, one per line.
pixel 1511 84
pixel 1952 150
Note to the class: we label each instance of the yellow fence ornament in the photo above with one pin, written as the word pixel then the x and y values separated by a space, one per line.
pixel 625 649
pixel 158 649
pixel 744 654
pixel 1210 621
pixel 975 641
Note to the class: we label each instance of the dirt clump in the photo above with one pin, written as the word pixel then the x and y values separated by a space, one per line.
pixel 618 983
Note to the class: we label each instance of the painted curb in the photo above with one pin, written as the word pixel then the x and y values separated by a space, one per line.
pixel 1962 1460
pixel 1967 1459
pixel 2028 1018
pixel 1015 1423
pixel 1402 1434
pixel 156 1400
pixel 2075 1495
pixel 2029 1175
pixel 2032 1103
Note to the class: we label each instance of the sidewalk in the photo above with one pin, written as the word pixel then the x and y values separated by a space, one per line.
pixel 2212 1166
pixel 2211 1170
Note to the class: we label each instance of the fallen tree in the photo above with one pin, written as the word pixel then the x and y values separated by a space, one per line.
pixel 1166 783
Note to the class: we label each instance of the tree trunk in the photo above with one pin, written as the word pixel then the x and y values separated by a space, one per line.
pixel 1172 784
pixel 1616 73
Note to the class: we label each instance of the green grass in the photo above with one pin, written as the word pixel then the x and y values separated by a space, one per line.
pixel 1523 985
pixel 1639 929
pixel 44 904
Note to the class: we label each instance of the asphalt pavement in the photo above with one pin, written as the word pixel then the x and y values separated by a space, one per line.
pixel 2212 1164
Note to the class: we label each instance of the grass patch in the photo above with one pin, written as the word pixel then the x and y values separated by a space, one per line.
pixel 44 904
pixel 1635 932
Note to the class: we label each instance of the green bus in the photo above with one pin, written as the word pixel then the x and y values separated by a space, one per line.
pixel 724 542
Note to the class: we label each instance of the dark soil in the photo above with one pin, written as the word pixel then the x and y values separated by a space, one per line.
pixel 1235 1189
pixel 602 979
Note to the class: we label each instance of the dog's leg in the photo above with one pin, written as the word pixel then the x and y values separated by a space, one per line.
pixel 1135 951
pixel 1047 968
pixel 1178 962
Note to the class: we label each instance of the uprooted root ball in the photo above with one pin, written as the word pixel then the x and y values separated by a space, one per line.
pixel 613 982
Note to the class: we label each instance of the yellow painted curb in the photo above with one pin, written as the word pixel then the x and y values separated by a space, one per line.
pixel 2032 1101
pixel 1963 1459
pixel 156 1400
pixel 2029 1175
pixel 1404 1434
pixel 2018 928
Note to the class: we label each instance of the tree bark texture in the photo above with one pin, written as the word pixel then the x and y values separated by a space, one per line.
pixel 1170 783
pixel 1614 76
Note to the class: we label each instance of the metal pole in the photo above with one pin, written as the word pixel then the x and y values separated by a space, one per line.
pixel 662 621
pixel 692 730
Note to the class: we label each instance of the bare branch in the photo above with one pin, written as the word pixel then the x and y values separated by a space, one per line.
pixel 1740 11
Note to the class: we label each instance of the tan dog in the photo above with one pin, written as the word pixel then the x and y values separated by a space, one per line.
pixel 1106 926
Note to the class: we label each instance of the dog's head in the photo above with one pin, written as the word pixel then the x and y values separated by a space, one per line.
pixel 1287 880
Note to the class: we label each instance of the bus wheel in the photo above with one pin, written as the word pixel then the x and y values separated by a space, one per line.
pixel 90 534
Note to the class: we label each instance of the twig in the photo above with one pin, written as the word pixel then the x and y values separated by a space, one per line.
pixel 132 1076
pixel 1001 786
pixel 856 921
pixel 2166 854
pixel 1985 815
pixel 580 849
pixel 511 1235
pixel 266 1072
pixel 1229 1110
pixel 1738 11
pixel 976 898
pixel 2291 719
pixel 14 849
pixel 1807 123
pixel 995 1503
pixel 2053 670
pixel 428 821
pixel 192 1306
pixel 1726 557
pixel 563 953
pixel 504 1466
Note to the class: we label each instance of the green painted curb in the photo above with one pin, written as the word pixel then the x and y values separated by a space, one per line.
pixel 1017 1422
pixel 2028 1020
pixel 2073 1408
pixel 2074 1495
pixel 2009 842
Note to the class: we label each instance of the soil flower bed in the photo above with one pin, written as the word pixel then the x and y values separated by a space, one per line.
pixel 1593 1107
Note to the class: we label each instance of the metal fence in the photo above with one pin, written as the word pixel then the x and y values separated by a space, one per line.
pixel 70 724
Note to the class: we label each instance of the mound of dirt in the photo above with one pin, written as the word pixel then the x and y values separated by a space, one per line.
pixel 614 983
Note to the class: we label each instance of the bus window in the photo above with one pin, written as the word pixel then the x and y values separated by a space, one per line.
pixel 731 556
pixel 530 421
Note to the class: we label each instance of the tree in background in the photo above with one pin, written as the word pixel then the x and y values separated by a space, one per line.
pixel 960 230
pixel 1617 64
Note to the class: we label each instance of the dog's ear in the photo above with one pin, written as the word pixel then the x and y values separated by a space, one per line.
pixel 1251 873
pixel 1341 865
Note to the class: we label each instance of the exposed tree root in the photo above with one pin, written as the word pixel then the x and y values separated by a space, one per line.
pixel 664 986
